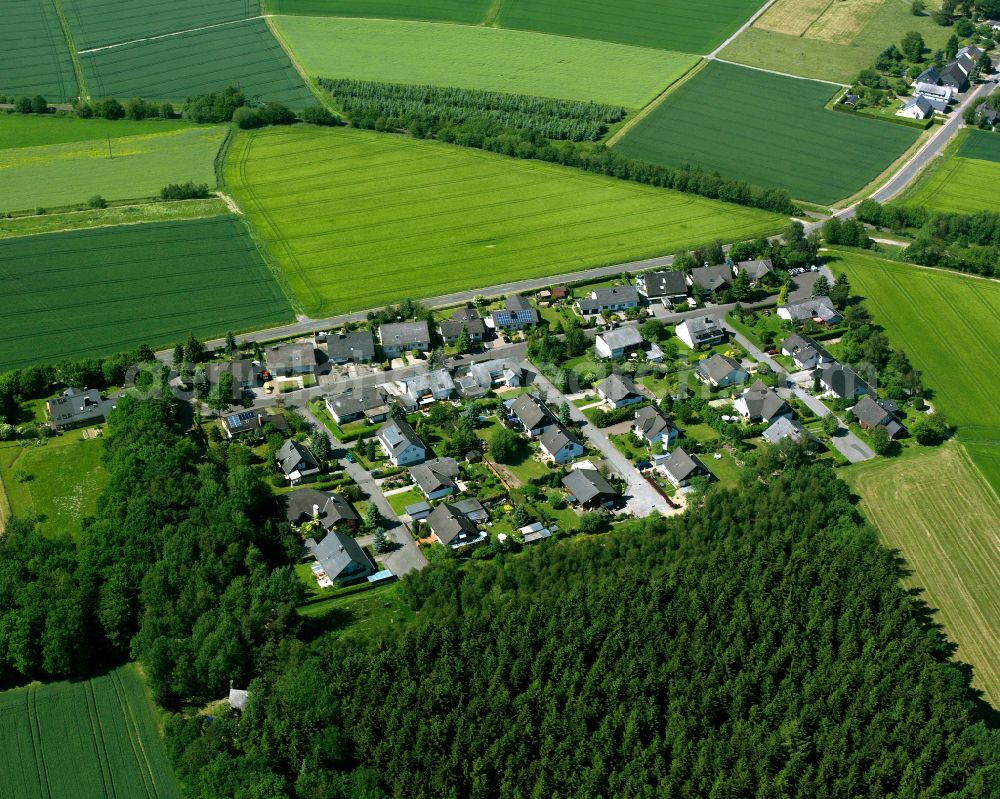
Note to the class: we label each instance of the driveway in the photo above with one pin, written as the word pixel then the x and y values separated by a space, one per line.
pixel 847 443
pixel 755 352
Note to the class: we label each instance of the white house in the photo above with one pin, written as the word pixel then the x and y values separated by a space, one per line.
pixel 720 371
pixel 533 414
pixel 702 331
pixel 918 107
pixel 296 462
pixel 652 426
pixel 760 403
pixel 805 352
pixel 619 390
pixel 557 445
pixel 401 445
pixel 616 343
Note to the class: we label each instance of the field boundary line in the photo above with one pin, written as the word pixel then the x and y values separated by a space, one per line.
pixel 134 734
pixel 167 35
pixel 100 742
pixel 775 72
pixel 739 31
pixel 816 19
pixel 492 13
pixel 318 93
pixel 74 56
pixel 36 739
pixel 657 101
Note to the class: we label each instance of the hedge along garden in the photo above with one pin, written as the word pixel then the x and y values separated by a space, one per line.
pixel 92 739
pixel 394 51
pixel 34 58
pixel 768 130
pixel 174 68
pixel 99 291
pixel 470 12
pixel 127 168
pixel 358 219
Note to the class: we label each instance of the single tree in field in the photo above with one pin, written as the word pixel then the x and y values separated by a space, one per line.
pixel 821 288
pixel 912 46
pixel 917 7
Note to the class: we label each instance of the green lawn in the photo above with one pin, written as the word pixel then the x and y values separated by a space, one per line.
pixel 177 67
pixel 781 137
pixel 65 477
pixel 31 130
pixel 936 508
pixel 89 739
pixel 470 57
pixel 57 175
pixel 693 27
pixel 468 11
pixel 833 45
pixel 93 292
pixel 357 219
pixel 35 58
pixel 366 613
pixel 946 322
pixel 398 502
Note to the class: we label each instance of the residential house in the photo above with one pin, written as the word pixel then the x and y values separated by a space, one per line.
pixel 424 389
pixel 398 338
pixel 918 107
pixel 536 531
pixel 473 509
pixel 286 360
pixel 246 374
pixel 533 414
pixel 818 309
pixel 804 352
pixel 619 390
pixel 711 279
pixel 987 112
pixel 700 332
pixel 652 426
pixel 452 528
pixel 588 488
pixel 838 381
pixel 850 100
pixel 418 511
pixel 516 315
pixel 608 300
pixel 400 443
pixel 467 319
pixel 755 270
pixel 357 346
pixel 238 698
pixel 720 371
pixel 339 558
pixel 680 468
pixel 358 402
pixel 296 462
pixel 931 91
pixel 616 343
pixel 668 287
pixel 483 377
pixel 235 424
pixel 326 507
pixel 785 427
pixel 558 446
pixel 760 403
pixel 956 74
pixel 930 75
pixel 77 408
pixel 437 478
pixel 871 415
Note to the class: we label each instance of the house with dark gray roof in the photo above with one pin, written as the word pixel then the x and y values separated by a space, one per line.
pixel 610 299
pixel 235 424
pixel 558 445
pixel 760 403
pixel 871 415
pixel 452 528
pixel 467 319
pixel 473 509
pixel 588 488
pixel 246 374
pixel 617 342
pixel 819 309
pixel 839 381
pixel 712 279
pixel 326 507
pixel 398 338
pixel 955 76
pixel 805 352
pixel 669 287
pixel 929 75
pixel 720 371
pixel 437 477
pixel 516 314
pixel 296 462
pixel 533 414
pixel 918 107
pixel 700 332
pixel 619 390
pixel 401 445
pixel 652 426
pixel 358 402
pixel 291 359
pixel 680 468
pixel 755 270
pixel 77 408
pixel 339 557
pixel 357 346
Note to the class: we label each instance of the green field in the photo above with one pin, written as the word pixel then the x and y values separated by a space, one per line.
pixel 768 130
pixel 468 11
pixel 692 27
pixel 98 23
pixel 980 145
pixel 29 130
pixel 947 323
pixel 831 41
pixel 35 58
pixel 93 292
pixel 957 185
pixel 66 478
pixel 177 67
pixel 481 58
pixel 83 740
pixel 357 219
pixel 64 174
pixel 936 508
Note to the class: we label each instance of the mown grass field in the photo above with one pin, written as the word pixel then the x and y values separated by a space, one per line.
pixel 65 479
pixel 57 175
pixel 35 58
pixel 83 740
pixel 481 58
pixel 358 219
pixel 28 130
pixel 768 130
pixel 829 40
pixel 98 23
pixel 93 292
pixel 471 12
pixel 668 24
pixel 936 508
pixel 245 54
pixel 980 145
pixel 949 326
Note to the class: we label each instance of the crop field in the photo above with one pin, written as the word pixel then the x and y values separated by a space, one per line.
pixel 28 130
pixel 936 508
pixel 957 185
pixel 481 58
pixel 357 219
pixel 93 292
pixel 35 58
pixel 956 351
pixel 176 67
pixel 56 175
pixel 829 40
pixel 59 484
pixel 668 24
pixel 980 145
pixel 471 12
pixel 83 740
pixel 98 23
pixel 784 138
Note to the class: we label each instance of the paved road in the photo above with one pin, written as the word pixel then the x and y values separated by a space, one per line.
pixel 641 499
pixel 755 352
pixel 846 442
